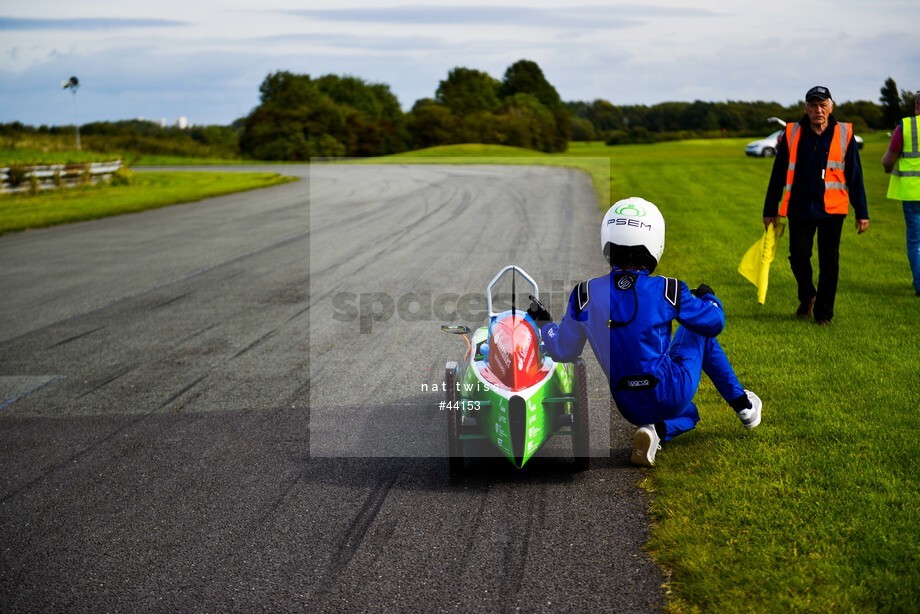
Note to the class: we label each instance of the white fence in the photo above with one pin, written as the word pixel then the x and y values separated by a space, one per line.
pixel 21 179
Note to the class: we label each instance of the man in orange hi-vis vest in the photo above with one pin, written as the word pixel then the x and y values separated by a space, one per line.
pixel 816 177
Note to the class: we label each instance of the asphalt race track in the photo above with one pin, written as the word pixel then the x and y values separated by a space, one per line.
pixel 232 405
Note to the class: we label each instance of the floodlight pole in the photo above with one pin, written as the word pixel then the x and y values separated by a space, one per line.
pixel 76 121
pixel 72 84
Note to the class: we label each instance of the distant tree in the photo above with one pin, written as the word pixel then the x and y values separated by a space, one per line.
pixel 863 112
pixel 480 127
pixel 471 106
pixel 430 124
pixel 296 134
pixel 666 116
pixel 374 101
pixel 525 122
pixel 634 116
pixel 907 102
pixel 467 91
pixel 300 118
pixel 526 77
pixel 583 130
pixel 891 103
pixel 730 117
pixel 605 116
pixel 238 124
pixel 285 87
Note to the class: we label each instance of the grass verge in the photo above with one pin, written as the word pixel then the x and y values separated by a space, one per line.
pixel 817 509
pixel 148 190
pixel 34 157
pixel 30 157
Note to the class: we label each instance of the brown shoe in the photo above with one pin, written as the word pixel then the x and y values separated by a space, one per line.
pixel 822 322
pixel 805 309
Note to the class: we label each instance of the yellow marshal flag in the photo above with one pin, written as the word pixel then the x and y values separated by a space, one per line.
pixel 755 265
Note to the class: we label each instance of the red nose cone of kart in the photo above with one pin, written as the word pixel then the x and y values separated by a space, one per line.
pixel 514 353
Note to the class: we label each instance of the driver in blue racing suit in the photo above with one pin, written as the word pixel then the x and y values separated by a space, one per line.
pixel 627 317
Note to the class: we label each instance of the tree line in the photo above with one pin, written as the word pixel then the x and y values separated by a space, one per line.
pixel 300 117
pixel 127 137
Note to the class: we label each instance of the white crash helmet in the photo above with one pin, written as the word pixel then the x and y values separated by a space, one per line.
pixel 633 223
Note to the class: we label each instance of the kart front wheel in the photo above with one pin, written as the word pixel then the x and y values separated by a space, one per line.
pixel 454 416
pixel 581 448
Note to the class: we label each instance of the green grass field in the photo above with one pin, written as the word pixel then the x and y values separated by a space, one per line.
pixel 817 509
pixel 146 191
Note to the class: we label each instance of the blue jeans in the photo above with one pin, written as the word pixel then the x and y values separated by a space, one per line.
pixel 912 220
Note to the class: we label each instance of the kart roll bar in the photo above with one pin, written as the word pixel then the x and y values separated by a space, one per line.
pixel 518 270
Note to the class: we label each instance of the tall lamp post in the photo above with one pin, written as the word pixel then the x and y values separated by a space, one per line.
pixel 73 84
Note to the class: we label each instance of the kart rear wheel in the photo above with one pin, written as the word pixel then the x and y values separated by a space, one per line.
pixel 581 448
pixel 454 416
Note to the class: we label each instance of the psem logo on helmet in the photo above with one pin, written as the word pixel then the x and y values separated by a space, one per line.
pixel 629 209
pixel 621 221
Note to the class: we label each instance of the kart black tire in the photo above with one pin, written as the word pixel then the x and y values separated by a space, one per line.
pixel 581 448
pixel 454 443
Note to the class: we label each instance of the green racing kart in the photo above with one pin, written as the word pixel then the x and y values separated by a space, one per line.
pixel 507 391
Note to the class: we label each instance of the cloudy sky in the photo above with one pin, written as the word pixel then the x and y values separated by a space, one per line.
pixel 205 59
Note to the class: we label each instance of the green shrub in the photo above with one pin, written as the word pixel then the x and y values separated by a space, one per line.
pixel 16 175
pixel 123 176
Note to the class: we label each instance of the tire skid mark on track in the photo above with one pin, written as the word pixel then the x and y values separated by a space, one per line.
pixel 110 378
pixel 276 504
pixel 361 523
pixel 74 338
pixel 386 249
pixel 132 295
pixel 195 334
pixel 445 205
pixel 289 294
pixel 232 275
pixel 350 542
pixel 470 530
pixel 317 298
pixel 255 343
pixel 8 402
pixel 170 301
pixel 301 391
pixel 517 547
pixel 76 456
pixel 174 397
pixel 299 313
pixel 379 209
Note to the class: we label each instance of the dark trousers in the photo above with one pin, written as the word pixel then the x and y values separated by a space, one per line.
pixel 801 238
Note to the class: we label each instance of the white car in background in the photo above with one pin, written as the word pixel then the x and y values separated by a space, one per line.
pixel 766 147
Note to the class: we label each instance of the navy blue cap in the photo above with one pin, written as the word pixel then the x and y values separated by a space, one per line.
pixel 820 92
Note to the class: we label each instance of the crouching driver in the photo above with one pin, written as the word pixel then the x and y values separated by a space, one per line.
pixel 627 318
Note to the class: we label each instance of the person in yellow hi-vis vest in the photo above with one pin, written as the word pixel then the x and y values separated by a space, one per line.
pixel 816 177
pixel 902 160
